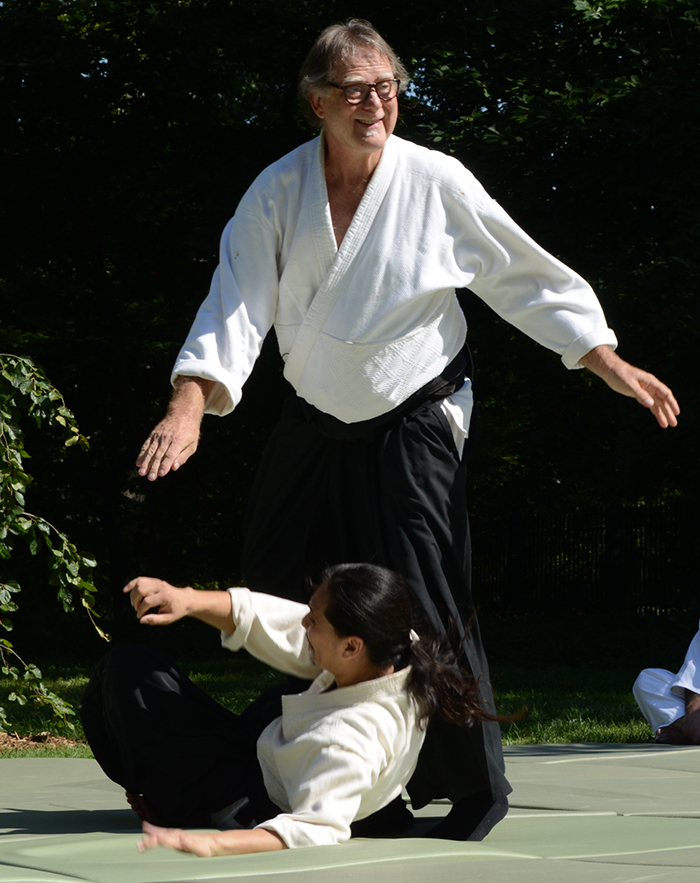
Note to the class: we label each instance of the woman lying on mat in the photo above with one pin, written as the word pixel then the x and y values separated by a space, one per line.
pixel 340 751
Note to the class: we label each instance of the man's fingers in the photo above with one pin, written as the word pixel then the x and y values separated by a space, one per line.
pixel 660 400
pixel 165 449
pixel 648 390
pixel 183 455
pixel 628 380
pixel 148 460
pixel 155 445
pixel 665 414
pixel 156 456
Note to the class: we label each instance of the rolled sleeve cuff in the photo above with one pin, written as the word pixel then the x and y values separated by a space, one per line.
pixel 243 615
pixel 296 833
pixel 582 345
pixel 223 398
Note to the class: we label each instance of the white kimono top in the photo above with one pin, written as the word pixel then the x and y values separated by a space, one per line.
pixel 335 755
pixel 363 326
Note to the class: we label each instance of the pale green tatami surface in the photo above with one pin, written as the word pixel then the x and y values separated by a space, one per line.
pixel 580 813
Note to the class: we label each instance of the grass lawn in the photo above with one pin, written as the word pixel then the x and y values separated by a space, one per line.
pixel 233 681
pixel 565 703
pixel 574 673
pixel 569 704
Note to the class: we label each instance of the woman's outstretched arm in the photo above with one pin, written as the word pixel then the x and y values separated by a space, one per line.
pixel 159 603
pixel 238 842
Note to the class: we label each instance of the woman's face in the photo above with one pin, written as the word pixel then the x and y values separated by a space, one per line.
pixel 357 128
pixel 325 643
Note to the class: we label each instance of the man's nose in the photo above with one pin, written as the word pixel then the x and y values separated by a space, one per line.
pixel 372 97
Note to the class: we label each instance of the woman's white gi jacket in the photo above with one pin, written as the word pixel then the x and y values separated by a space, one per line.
pixel 335 755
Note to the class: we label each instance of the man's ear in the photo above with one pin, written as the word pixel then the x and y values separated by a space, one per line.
pixel 317 105
pixel 354 647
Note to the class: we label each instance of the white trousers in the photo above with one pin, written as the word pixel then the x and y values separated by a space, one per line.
pixel 661 695
pixel 658 704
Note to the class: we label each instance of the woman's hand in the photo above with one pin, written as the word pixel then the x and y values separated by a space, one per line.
pixel 165 602
pixel 159 603
pixel 202 845
pixel 212 843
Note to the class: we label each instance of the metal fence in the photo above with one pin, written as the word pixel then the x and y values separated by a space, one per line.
pixel 639 558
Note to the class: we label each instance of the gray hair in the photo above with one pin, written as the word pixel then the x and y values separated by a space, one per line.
pixel 340 44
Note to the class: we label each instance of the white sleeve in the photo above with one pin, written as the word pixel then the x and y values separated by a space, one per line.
pixel 230 326
pixel 325 797
pixel 270 629
pixel 688 678
pixel 522 282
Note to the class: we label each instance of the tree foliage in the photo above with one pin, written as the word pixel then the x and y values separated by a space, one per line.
pixel 581 118
pixel 132 129
pixel 25 391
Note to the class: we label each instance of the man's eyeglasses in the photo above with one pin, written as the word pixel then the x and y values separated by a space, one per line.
pixel 356 93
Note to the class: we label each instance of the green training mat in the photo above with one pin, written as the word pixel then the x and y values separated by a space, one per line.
pixel 579 813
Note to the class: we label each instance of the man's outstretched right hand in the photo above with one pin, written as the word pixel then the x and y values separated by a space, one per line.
pixel 175 438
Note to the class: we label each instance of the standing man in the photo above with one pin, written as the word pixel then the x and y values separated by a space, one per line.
pixel 352 247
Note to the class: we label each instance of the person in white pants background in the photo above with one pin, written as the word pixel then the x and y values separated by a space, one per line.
pixel 671 703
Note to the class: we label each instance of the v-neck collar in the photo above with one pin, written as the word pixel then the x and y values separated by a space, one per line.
pixel 336 258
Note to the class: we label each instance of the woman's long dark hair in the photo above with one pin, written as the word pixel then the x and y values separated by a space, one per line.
pixel 373 603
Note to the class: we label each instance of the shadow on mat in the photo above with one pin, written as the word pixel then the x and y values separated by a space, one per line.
pixel 68 821
pixel 585 749
pixel 120 821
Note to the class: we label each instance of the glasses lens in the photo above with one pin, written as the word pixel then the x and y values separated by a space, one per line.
pixel 386 89
pixel 356 94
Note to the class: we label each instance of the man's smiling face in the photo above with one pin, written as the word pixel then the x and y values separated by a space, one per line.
pixel 358 128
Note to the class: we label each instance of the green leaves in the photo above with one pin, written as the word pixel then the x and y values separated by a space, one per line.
pixel 7 605
pixel 581 119
pixel 45 402
pixel 128 138
pixel 69 569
